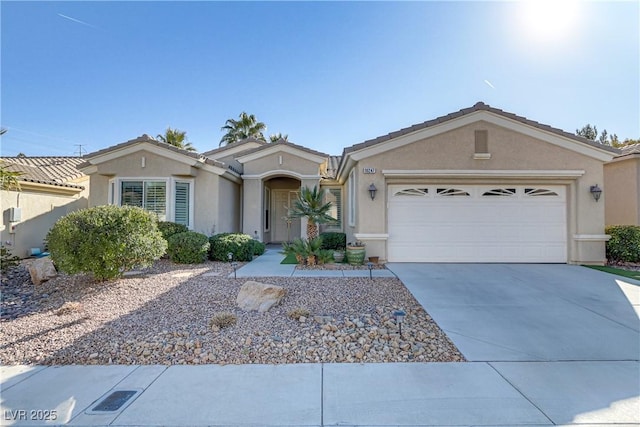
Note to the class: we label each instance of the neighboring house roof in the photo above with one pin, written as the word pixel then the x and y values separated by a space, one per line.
pixel 56 171
pixel 479 106
pixel 630 149
pixel 146 138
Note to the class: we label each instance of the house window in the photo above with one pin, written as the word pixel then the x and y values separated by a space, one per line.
pixel 150 195
pixel 182 203
pixel 352 198
pixel 334 196
pixel 169 198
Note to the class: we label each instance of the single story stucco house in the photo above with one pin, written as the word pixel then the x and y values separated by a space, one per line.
pixel 622 179
pixel 476 185
pixel 50 187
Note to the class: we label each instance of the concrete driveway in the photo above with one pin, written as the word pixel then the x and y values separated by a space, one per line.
pixel 529 312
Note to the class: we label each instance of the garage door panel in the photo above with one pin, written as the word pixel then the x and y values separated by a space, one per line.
pixel 518 227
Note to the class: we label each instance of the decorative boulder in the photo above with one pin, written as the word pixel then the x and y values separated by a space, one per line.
pixel 256 296
pixel 41 270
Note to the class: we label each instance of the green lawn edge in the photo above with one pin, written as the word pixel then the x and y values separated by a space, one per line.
pixel 617 271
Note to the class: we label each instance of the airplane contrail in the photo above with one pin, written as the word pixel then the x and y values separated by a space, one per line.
pixel 489 84
pixel 77 20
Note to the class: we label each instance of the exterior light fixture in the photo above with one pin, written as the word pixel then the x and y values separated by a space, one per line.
pixel 230 256
pixel 372 191
pixel 596 192
pixel 399 315
pixel 234 264
pixel 370 265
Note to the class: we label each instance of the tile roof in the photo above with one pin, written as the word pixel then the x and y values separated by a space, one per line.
pixel 630 149
pixel 146 138
pixel 479 106
pixel 235 144
pixel 57 171
pixel 332 167
pixel 284 143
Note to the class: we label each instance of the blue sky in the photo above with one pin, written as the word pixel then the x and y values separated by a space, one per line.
pixel 328 74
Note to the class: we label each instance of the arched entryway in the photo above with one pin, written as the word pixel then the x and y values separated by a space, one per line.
pixel 279 195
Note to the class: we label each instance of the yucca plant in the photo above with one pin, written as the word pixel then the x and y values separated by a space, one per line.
pixel 310 204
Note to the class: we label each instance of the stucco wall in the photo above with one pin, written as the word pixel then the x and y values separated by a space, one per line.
pixel 509 150
pixel 622 191
pixel 290 162
pixel 40 210
pixel 228 206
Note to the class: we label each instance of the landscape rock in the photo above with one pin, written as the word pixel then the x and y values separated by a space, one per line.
pixel 256 296
pixel 41 270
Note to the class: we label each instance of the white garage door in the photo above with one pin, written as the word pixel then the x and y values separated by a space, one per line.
pixel 464 223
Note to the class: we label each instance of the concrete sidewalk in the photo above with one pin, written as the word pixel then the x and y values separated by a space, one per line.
pixel 377 394
pixel 581 327
pixel 268 265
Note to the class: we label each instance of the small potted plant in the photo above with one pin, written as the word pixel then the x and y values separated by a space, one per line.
pixel 355 253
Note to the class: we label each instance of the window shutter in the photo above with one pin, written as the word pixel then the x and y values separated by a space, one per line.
pixel 131 193
pixel 181 214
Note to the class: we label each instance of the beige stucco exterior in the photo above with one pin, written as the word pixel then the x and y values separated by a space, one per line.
pixel 622 190
pixel 41 206
pixel 216 199
pixel 448 157
pixel 247 187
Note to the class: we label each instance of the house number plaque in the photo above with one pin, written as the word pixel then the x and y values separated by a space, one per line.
pixel 369 170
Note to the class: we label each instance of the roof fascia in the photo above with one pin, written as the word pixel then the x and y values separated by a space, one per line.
pixel 231 149
pixel 490 117
pixel 48 188
pixel 272 149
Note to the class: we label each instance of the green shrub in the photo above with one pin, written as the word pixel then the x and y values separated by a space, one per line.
pixel 168 228
pixel 7 259
pixel 258 247
pixel 334 240
pixel 624 245
pixel 242 246
pixel 105 241
pixel 308 252
pixel 188 247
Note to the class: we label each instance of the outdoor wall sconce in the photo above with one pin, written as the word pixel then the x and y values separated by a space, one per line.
pixel 372 191
pixel 596 192
pixel 399 315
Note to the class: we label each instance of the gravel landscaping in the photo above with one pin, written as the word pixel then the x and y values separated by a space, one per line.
pixel 163 316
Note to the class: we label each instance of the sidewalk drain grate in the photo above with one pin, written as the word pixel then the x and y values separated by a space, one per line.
pixel 114 401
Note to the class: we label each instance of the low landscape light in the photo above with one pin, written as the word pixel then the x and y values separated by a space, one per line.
pixel 399 316
pixel 370 265
pixel 234 264
pixel 230 256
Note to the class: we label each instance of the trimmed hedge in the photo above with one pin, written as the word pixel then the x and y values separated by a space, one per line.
pixel 188 247
pixel 105 241
pixel 624 245
pixel 242 246
pixel 168 228
pixel 334 240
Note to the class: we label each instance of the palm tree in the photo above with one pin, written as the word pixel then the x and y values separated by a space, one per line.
pixel 8 179
pixel 246 127
pixel 310 204
pixel 177 138
pixel 278 136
